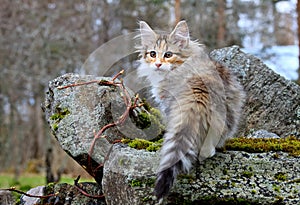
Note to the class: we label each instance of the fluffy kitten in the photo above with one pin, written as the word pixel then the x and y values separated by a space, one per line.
pixel 201 100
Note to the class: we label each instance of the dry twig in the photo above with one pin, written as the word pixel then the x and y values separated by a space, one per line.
pixel 13 189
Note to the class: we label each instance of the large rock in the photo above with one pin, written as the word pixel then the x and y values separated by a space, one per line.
pixel 129 176
pixel 273 102
pixel 76 113
pixel 230 177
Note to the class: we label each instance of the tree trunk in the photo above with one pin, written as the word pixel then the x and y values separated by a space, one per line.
pixel 221 23
pixel 298 22
pixel 177 11
pixel 39 123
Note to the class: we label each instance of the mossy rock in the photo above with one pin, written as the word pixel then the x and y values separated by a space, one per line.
pixel 60 114
pixel 151 146
pixel 289 144
pixel 149 120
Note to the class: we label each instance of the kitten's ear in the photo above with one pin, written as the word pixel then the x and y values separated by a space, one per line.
pixel 180 35
pixel 148 36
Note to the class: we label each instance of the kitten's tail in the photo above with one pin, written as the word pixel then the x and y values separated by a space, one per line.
pixel 180 147
pixel 177 155
pixel 165 180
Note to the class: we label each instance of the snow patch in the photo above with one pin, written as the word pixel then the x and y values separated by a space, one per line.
pixel 282 59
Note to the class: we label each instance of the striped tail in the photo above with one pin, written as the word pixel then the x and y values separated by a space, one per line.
pixel 177 155
pixel 165 180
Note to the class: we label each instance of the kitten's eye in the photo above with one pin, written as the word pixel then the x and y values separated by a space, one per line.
pixel 152 54
pixel 168 54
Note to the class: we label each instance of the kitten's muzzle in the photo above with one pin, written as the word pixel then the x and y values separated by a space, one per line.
pixel 158 65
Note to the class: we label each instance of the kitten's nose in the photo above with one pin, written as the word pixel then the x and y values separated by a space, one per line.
pixel 158 65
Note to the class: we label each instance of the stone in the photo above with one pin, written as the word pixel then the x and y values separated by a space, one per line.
pixel 231 176
pixel 262 134
pixel 273 102
pixel 75 113
pixel 6 197
pixel 129 176
pixel 36 191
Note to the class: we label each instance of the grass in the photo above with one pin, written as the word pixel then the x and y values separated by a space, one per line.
pixel 30 181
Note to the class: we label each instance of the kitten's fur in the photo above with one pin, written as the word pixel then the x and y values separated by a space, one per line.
pixel 201 100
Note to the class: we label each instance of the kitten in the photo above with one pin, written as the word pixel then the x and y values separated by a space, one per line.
pixel 201 100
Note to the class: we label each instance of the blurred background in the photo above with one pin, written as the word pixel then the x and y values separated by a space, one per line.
pixel 40 40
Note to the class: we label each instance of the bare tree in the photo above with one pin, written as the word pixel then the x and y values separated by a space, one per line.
pixel 221 23
pixel 177 11
pixel 298 23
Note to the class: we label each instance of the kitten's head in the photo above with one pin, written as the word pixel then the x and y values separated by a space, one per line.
pixel 161 51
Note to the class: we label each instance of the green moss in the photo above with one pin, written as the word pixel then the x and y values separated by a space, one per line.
pixel 280 176
pixel 146 105
pixel 276 188
pixel 143 144
pixel 135 183
pixel 58 116
pixel 144 120
pixel 18 201
pixel 54 126
pixel 290 145
pixel 247 174
pixel 148 182
pixel 139 144
pixel 148 119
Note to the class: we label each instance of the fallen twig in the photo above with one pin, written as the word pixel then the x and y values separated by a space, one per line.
pixel 13 189
pixel 77 84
